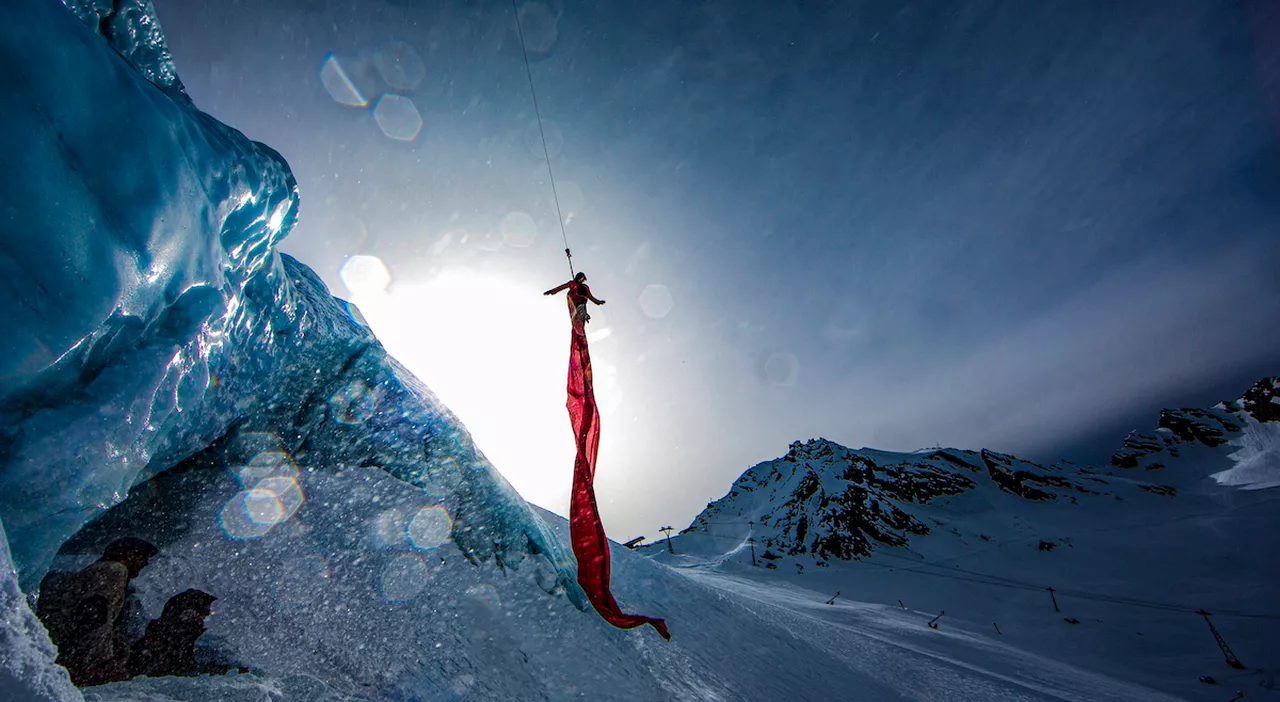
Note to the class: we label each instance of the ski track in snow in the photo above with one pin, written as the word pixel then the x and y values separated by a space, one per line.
pixel 943 665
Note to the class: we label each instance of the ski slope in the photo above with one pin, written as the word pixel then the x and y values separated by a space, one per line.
pixel 895 647
pixel 1131 561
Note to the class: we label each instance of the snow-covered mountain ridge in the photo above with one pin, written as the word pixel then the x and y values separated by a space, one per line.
pixel 1211 427
pixel 830 502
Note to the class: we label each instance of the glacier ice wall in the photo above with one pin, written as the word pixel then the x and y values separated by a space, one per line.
pixel 27 670
pixel 149 314
pixel 133 30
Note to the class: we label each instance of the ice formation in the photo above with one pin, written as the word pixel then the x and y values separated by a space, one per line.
pixel 151 316
pixel 27 671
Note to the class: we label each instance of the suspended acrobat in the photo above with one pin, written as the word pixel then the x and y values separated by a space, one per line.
pixel 578 296
pixel 590 545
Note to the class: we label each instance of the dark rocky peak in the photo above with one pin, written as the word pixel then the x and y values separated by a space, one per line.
pixel 1262 401
pixel 955 458
pixel 1204 427
pixel 1209 427
pixel 831 517
pixel 1024 479
pixel 832 502
pixel 816 450
pixel 1139 445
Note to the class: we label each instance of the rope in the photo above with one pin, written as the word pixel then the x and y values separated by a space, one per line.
pixel 545 153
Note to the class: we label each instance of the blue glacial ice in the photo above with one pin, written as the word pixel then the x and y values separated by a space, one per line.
pixel 133 30
pixel 27 672
pixel 149 315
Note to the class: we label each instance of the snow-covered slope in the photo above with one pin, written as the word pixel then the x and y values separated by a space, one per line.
pixel 1130 549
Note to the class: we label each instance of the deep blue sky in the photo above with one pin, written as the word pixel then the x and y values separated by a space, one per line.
pixel 1024 226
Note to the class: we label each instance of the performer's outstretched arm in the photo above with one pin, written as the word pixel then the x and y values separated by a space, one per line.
pixel 558 288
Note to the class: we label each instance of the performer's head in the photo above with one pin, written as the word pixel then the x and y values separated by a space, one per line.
pixel 580 277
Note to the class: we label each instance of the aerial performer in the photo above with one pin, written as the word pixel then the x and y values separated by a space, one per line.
pixel 578 296
pixel 590 546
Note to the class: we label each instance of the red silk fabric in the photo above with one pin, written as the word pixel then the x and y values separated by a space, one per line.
pixel 590 546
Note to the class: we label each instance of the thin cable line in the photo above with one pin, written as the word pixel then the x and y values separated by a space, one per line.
pixel 545 152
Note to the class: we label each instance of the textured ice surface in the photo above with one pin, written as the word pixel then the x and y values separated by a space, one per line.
pixel 364 572
pixel 27 670
pixel 150 314
pixel 135 225
pixel 226 688
pixel 133 30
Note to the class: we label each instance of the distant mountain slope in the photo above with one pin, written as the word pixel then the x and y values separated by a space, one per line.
pixel 1250 424
pixel 829 502
pixel 1105 568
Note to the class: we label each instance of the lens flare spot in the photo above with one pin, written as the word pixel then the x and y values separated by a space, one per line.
pixel 403 577
pixel 533 135
pixel 388 529
pixel 487 594
pixel 655 301
pixel 365 275
pixel 263 508
pixel 539 26
pixel 400 65
pixel 356 315
pixel 266 464
pixel 398 117
pixel 782 369
pixel 339 85
pixel 353 405
pixel 253 442
pixel 443 477
pixel 429 528
pixel 518 230
pixel 287 494
pixel 488 242
pixel 239 518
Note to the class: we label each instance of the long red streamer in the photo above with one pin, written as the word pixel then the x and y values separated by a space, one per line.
pixel 585 530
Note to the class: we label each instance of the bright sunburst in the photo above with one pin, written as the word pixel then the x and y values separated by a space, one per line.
pixel 495 352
